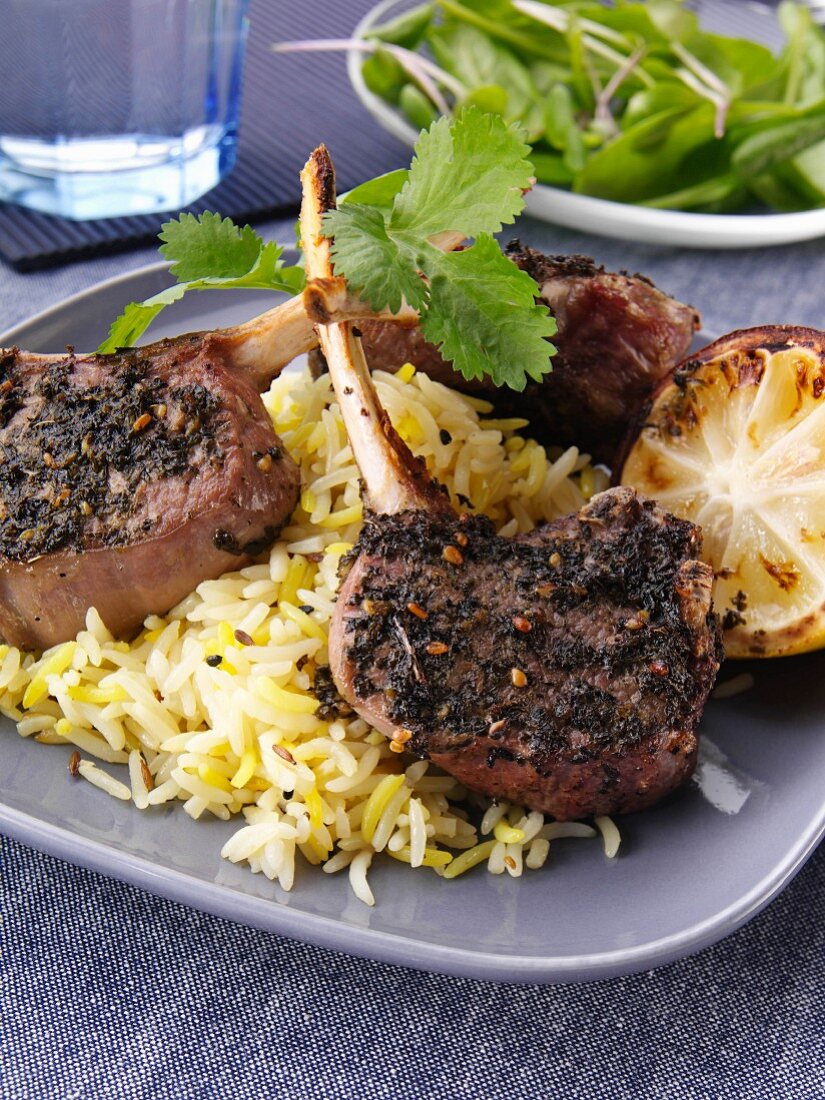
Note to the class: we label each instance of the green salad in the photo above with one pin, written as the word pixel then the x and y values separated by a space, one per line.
pixel 633 102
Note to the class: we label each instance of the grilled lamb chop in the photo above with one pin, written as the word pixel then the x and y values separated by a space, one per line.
pixel 566 669
pixel 618 336
pixel 127 479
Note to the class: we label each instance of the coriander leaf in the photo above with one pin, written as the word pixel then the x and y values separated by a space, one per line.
pixel 382 270
pixel 380 191
pixel 126 329
pixel 209 247
pixel 484 317
pixel 227 258
pixel 269 273
pixel 467 175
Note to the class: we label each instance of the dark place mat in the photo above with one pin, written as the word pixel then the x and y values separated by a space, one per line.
pixel 291 103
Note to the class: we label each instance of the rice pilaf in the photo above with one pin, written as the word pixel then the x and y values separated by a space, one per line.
pixel 213 704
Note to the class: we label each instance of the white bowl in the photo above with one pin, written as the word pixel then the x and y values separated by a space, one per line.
pixel 609 219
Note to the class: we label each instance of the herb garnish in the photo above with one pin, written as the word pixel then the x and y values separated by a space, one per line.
pixel 209 253
pixel 467 177
pixel 466 180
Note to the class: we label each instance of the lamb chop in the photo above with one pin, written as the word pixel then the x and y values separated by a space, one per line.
pixel 618 337
pixel 566 669
pixel 127 479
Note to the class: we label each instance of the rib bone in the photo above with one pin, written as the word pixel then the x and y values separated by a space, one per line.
pixel 262 347
pixel 394 479
pixel 265 345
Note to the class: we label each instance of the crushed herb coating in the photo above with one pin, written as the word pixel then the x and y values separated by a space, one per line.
pixel 73 457
pixel 609 658
pixel 330 703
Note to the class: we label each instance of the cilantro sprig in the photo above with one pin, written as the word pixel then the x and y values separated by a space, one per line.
pixel 466 180
pixel 209 253
pixel 467 177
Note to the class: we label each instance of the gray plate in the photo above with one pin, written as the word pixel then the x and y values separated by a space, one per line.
pixel 689 872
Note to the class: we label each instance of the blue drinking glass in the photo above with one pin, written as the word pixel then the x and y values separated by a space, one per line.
pixel 115 107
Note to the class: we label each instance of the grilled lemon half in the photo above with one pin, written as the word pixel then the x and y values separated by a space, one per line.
pixel 735 441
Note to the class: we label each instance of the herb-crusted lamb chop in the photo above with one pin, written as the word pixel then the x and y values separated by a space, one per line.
pixel 127 479
pixel 617 337
pixel 566 669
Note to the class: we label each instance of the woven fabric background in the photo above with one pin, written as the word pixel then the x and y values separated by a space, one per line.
pixel 106 992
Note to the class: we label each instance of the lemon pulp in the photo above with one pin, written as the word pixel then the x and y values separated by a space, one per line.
pixel 737 445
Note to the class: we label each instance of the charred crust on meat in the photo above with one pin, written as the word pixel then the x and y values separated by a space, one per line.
pixel 73 465
pixel 226 541
pixel 615 688
pixel 540 267
pixel 331 705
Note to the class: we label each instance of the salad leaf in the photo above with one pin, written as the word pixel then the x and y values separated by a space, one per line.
pixel 417 107
pixel 490 98
pixel 480 62
pixel 561 129
pixel 579 75
pixel 662 154
pixel 384 75
pixel 765 150
pixel 406 30
pixel 806 174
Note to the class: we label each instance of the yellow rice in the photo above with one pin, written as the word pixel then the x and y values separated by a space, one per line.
pixel 240 738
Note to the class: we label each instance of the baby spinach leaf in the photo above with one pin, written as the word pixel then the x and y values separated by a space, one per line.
pixel 763 151
pixel 478 62
pixel 384 75
pixel 663 154
pixel 406 30
pixel 417 107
